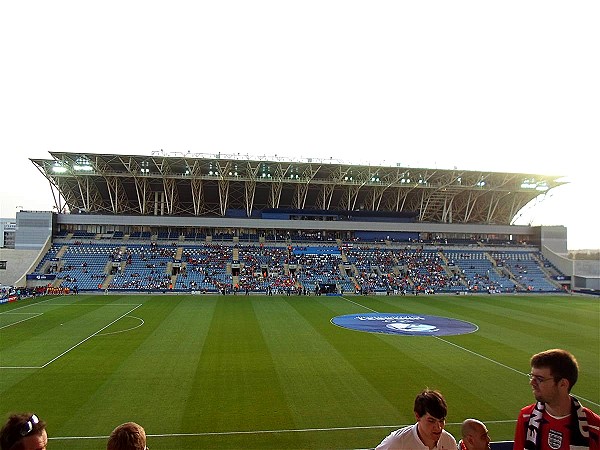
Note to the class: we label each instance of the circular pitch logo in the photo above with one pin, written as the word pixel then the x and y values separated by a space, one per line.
pixel 404 324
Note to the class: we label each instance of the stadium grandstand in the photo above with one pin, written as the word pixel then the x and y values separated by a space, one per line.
pixel 216 223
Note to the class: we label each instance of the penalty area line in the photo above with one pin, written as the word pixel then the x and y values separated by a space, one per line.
pixel 22 320
pixel 29 305
pixel 89 337
pixel 20 367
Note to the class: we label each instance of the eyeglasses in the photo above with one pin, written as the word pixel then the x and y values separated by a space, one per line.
pixel 28 426
pixel 538 379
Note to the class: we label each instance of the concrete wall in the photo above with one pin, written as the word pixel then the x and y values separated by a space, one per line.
pixel 33 229
pixel 562 262
pixel 586 283
pixel 587 274
pixel 554 238
pixel 587 268
pixel 17 264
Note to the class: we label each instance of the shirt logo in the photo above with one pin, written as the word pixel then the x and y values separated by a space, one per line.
pixel 555 439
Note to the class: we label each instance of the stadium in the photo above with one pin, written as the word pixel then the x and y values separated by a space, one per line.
pixel 215 299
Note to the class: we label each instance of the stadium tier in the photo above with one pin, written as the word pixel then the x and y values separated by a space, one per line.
pixel 376 216
pixel 294 269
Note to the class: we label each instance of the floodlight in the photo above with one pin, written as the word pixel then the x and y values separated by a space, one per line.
pixel 82 168
pixel 59 169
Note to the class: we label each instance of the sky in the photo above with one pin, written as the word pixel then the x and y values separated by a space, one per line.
pixel 502 86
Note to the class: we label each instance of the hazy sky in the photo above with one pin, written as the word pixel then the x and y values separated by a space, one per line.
pixel 507 86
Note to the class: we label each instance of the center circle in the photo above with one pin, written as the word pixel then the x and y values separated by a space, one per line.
pixel 404 324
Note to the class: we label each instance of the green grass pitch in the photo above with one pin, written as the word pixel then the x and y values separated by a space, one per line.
pixel 273 372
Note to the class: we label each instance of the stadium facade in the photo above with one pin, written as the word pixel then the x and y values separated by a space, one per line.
pixel 239 198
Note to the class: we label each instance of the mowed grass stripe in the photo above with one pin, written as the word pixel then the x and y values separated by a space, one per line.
pixel 153 382
pixel 515 327
pixel 395 372
pixel 530 329
pixel 315 377
pixel 103 379
pixel 514 332
pixel 313 372
pixel 55 329
pixel 57 390
pixel 235 387
pixel 402 365
pixel 433 363
pixel 210 363
pixel 492 391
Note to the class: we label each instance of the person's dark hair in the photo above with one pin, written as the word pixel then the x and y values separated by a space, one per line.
pixel 19 426
pixel 127 436
pixel 431 402
pixel 561 363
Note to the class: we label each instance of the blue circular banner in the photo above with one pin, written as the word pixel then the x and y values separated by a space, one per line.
pixel 404 324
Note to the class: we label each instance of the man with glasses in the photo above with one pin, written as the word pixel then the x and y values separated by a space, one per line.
pixel 24 432
pixel 428 433
pixel 557 421
pixel 127 436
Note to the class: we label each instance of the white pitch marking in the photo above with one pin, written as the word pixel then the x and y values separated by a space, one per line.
pixel 476 354
pixel 128 329
pixel 288 430
pixel 25 306
pixel 23 320
pixel 362 306
pixel 89 337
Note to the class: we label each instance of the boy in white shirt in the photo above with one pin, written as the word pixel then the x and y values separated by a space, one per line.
pixel 428 433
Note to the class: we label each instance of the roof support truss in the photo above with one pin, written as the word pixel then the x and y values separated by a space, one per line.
pixel 210 185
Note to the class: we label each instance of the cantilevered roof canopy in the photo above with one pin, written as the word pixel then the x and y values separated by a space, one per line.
pixel 210 185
